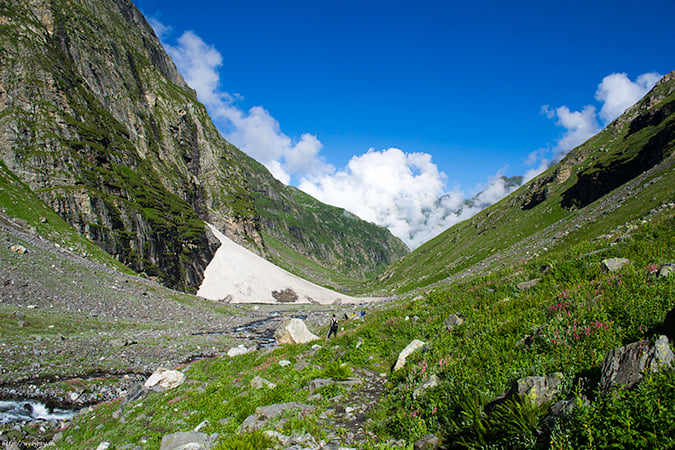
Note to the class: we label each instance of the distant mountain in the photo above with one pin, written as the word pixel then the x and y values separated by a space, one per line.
pixel 96 120
pixel 618 175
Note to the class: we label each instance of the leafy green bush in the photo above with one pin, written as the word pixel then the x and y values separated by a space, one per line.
pixel 639 418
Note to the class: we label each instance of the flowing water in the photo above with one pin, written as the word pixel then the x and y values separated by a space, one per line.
pixel 27 410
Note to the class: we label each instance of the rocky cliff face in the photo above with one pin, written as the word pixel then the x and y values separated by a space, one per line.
pixel 95 119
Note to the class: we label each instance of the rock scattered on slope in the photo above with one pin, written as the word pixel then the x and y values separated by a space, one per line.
pixel 614 264
pixel 263 414
pixel 625 366
pixel 525 285
pixel 187 440
pixel 537 389
pixel 294 331
pixel 414 345
pixel 258 382
pixel 163 379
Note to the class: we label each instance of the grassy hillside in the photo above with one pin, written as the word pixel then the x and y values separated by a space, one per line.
pixel 616 176
pixel 566 324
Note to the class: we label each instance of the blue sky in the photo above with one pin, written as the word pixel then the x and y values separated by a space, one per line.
pixel 393 104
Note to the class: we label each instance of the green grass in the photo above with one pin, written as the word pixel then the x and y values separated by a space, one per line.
pixel 572 317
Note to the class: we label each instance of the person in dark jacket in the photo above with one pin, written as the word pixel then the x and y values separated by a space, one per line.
pixel 333 327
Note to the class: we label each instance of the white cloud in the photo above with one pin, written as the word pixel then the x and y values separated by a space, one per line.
pixel 580 126
pixel 255 132
pixel 161 30
pixel 387 187
pixel 616 92
pixel 404 192
pixel 198 63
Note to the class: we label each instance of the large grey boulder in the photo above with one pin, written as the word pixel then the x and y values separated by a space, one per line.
pixel 625 366
pixel 294 331
pixel 410 348
pixel 187 440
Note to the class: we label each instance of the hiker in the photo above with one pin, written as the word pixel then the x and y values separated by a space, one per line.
pixel 333 327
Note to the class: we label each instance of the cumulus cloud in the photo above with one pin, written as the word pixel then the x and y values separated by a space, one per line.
pixel 616 92
pixel 404 192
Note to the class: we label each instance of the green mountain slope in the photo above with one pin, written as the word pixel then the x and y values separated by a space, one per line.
pixel 97 121
pixel 616 176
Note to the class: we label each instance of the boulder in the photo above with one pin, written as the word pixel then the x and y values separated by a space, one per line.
pixel 238 350
pixel 317 383
pixel 294 331
pixel 452 321
pixel 614 264
pixel 624 366
pixel 258 383
pixel 163 379
pixel 666 270
pixel 538 390
pixel 414 345
pixel 187 440
pixel 427 442
pixel 525 285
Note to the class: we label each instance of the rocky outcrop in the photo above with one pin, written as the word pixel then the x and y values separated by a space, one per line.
pixel 636 154
pixel 625 366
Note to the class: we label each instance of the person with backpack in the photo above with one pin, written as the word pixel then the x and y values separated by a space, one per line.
pixel 333 327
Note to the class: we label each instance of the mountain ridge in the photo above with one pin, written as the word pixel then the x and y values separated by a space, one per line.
pixel 98 122
pixel 549 201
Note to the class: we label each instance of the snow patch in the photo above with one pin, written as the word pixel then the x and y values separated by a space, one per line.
pixel 248 278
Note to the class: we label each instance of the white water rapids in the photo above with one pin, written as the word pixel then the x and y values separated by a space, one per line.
pixel 26 410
